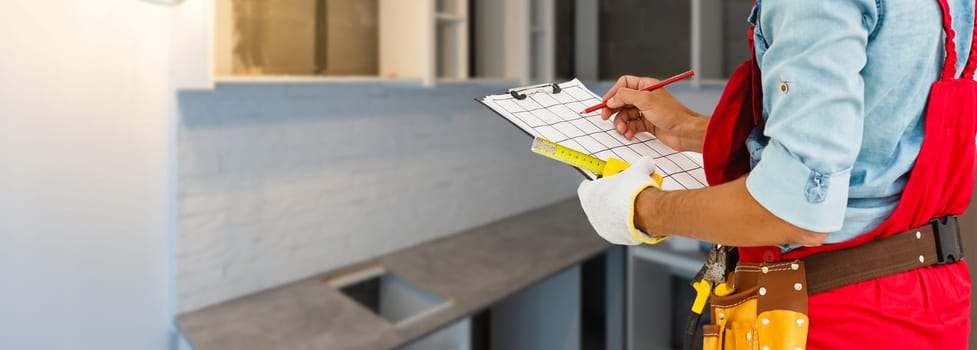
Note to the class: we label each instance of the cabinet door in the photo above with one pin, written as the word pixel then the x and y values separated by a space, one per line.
pixel 407 39
pixel 276 37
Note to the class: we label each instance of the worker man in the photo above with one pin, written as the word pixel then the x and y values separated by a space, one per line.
pixel 838 158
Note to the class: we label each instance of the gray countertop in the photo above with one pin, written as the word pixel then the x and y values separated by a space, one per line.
pixel 474 269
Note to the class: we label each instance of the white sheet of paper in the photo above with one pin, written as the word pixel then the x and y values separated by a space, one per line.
pixel 557 118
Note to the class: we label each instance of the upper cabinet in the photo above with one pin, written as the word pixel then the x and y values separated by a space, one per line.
pixel 341 40
pixel 298 37
pixel 514 40
pixel 434 41
pixel 451 43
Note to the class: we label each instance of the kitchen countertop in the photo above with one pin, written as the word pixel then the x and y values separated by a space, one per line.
pixel 474 269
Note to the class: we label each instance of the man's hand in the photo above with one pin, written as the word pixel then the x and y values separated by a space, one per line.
pixel 609 202
pixel 656 112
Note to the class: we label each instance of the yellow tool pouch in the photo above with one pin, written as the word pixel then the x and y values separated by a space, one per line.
pixel 767 309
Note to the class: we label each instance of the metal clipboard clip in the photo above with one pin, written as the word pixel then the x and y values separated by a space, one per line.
pixel 520 93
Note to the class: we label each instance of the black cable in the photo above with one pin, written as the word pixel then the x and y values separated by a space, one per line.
pixel 692 331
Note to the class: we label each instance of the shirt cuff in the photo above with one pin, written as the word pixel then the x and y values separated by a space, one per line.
pixel 803 197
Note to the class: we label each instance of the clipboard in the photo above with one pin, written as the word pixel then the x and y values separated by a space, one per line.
pixel 552 111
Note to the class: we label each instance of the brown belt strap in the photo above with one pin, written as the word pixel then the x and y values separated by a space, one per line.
pixel 935 243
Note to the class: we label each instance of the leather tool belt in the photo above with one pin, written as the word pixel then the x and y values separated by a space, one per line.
pixel 764 305
pixel 933 244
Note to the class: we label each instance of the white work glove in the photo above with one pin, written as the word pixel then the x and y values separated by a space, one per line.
pixel 609 202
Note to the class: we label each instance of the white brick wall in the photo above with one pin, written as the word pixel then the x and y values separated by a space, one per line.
pixel 282 181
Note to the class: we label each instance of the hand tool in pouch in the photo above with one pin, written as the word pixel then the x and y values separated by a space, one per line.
pixel 710 278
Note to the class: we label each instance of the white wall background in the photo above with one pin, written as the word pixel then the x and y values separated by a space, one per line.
pixel 276 181
pixel 85 147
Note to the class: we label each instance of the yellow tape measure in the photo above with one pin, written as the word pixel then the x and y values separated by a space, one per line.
pixel 592 164
pixel 582 160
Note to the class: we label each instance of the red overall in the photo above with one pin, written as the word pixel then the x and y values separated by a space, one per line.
pixel 927 308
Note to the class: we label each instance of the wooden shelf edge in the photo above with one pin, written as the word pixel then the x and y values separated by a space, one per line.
pixel 449 18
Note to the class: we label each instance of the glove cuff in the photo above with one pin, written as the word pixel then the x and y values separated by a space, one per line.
pixel 635 232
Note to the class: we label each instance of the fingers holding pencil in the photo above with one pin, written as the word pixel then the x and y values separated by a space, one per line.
pixel 656 112
pixel 627 81
pixel 631 106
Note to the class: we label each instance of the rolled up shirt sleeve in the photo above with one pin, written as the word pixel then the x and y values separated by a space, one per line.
pixel 814 99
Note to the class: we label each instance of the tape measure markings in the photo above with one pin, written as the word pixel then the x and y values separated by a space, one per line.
pixel 582 160
pixel 568 155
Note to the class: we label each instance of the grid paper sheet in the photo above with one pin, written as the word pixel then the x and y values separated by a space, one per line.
pixel 556 117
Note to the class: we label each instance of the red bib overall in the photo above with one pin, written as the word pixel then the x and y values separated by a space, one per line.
pixel 927 308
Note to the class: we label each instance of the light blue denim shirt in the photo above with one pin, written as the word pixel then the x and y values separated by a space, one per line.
pixel 845 85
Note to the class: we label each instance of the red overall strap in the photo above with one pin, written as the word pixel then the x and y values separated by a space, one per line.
pixel 950 62
pixel 942 179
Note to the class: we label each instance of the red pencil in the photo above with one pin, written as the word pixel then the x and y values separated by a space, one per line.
pixel 651 87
